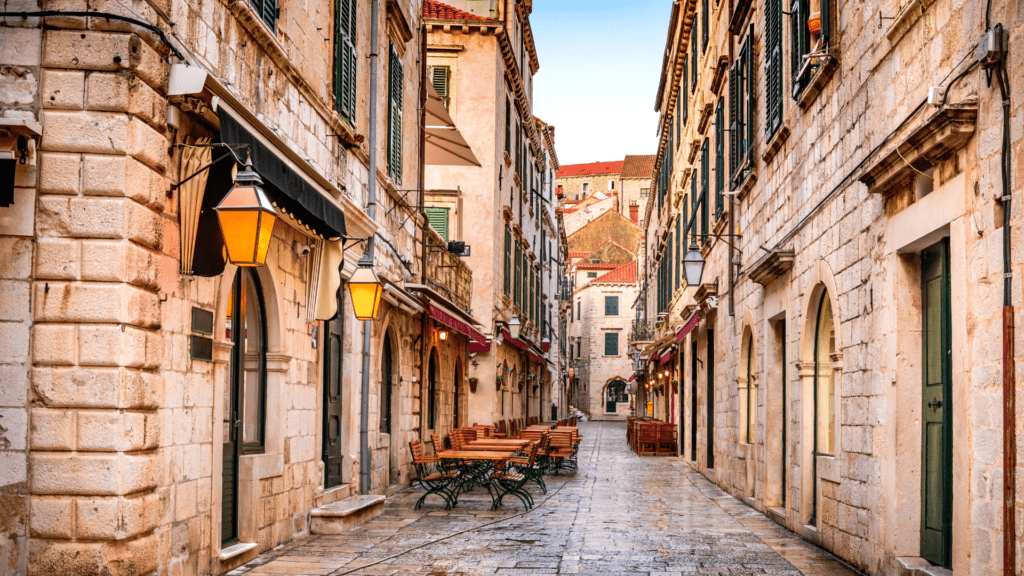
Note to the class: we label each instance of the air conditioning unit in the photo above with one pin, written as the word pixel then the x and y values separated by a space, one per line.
pixel 460 249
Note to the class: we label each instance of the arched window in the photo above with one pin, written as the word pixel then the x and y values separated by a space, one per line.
pixel 386 382
pixel 432 390
pixel 455 398
pixel 615 393
pixel 751 424
pixel 247 328
pixel 824 384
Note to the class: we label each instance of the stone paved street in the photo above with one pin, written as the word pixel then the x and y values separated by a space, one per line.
pixel 620 515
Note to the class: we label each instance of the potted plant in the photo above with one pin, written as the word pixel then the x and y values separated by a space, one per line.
pixel 473 380
pixel 814 23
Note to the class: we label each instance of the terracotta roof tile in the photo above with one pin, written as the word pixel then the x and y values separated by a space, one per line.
pixel 595 266
pixel 635 166
pixel 625 274
pixel 434 9
pixel 590 169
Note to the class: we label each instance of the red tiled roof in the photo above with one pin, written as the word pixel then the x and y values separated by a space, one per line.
pixel 595 266
pixel 635 166
pixel 434 9
pixel 578 254
pixel 625 274
pixel 590 169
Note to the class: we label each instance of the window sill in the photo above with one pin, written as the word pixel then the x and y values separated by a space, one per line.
pixel 905 20
pixel 817 82
pixel 775 143
pixel 236 550
pixel 746 185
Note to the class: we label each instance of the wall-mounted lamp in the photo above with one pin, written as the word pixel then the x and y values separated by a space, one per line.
pixel 246 219
pixel 365 289
pixel 515 326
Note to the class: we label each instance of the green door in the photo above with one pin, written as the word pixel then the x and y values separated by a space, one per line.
pixel 936 410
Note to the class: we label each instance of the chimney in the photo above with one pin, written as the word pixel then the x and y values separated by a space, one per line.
pixel 634 212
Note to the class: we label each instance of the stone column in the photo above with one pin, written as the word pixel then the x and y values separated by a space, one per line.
pixel 96 346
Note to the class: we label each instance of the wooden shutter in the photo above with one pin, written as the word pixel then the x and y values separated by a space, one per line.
pixel 826 21
pixel 267 11
pixel 440 77
pixel 438 218
pixel 611 305
pixel 395 83
pixel 773 67
pixel 693 59
pixel 345 59
pixel 678 241
pixel 733 120
pixel 704 25
pixel 686 92
pixel 719 158
pixel 705 162
pixel 518 275
pixel 508 261
pixel 749 116
pixel 508 126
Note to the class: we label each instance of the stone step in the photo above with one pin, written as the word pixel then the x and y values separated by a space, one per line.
pixel 341 516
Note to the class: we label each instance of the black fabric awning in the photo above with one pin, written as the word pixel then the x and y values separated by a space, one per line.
pixel 283 185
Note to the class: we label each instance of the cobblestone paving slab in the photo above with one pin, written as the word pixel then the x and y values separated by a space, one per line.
pixel 620 515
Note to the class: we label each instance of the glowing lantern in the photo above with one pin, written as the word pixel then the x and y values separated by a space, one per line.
pixel 365 289
pixel 246 219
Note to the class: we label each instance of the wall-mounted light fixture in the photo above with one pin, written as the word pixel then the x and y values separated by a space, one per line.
pixel 365 289
pixel 246 219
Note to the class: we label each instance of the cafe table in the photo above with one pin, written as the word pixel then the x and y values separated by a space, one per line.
pixel 473 466
pixel 499 444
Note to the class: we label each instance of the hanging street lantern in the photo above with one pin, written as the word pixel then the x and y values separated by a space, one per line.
pixel 365 289
pixel 515 326
pixel 693 266
pixel 246 219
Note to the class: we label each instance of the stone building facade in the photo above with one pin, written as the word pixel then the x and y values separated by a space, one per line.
pixel 482 56
pixel 839 363
pixel 163 410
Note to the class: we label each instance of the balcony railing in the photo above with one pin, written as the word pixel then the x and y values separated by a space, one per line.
pixel 642 331
pixel 448 274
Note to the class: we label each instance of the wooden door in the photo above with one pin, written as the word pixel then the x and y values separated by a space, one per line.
pixel 693 400
pixel 936 409
pixel 711 398
pixel 332 421
pixel 232 424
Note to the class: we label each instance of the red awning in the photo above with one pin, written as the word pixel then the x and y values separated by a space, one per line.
pixel 631 378
pixel 479 346
pixel 456 324
pixel 690 325
pixel 515 341
pixel 666 357
pixel 535 358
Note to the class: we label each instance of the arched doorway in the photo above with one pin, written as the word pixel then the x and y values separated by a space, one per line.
pixel 386 384
pixel 824 393
pixel 614 393
pixel 246 402
pixel 432 390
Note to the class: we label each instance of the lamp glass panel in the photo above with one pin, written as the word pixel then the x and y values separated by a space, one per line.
pixel 241 197
pixel 240 230
pixel 365 299
pixel 266 232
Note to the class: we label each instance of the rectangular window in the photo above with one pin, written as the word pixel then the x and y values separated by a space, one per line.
pixel 508 127
pixel 577 348
pixel 678 240
pixel 611 184
pixel 719 158
pixel 693 59
pixel 591 274
pixel 705 161
pixel 704 25
pixel 684 106
pixel 804 42
pixel 694 200
pixel 440 77
pixel 577 309
pixel 611 343
pixel 741 109
pixel 267 11
pixel 586 187
pixel 395 85
pixel 508 261
pixel 345 59
pixel 773 67
pixel 644 192
pixel 438 219
pixel 518 299
pixel 611 305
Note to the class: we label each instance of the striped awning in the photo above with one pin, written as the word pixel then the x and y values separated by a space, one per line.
pixel 632 378
pixel 515 341
pixel 665 357
pixel 688 327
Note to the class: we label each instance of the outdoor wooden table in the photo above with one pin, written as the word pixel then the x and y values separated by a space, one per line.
pixel 498 444
pixel 473 466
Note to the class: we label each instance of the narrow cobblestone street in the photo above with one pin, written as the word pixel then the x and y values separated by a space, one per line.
pixel 619 515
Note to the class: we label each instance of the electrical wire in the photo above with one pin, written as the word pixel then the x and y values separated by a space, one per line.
pixel 152 28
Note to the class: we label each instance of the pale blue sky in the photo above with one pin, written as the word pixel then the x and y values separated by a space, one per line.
pixel 600 62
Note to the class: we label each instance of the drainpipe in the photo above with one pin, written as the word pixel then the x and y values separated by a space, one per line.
pixel 423 213
pixel 1009 376
pixel 371 206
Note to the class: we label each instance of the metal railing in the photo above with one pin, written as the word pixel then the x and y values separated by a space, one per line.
pixel 642 331
pixel 448 274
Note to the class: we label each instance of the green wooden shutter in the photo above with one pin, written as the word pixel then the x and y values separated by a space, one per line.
pixel 519 275
pixel 719 158
pixel 704 25
pixel 345 59
pixel 773 66
pixel 267 11
pixel 677 241
pixel 694 200
pixel 440 78
pixel 438 218
pixel 734 110
pixel 508 126
pixel 693 59
pixel 705 162
pixel 686 92
pixel 611 305
pixel 508 261
pixel 826 22
pixel 395 84
pixel 749 116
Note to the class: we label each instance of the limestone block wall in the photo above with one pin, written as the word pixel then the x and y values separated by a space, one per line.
pixel 572 186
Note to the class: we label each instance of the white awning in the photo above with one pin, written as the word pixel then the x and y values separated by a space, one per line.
pixel 445 146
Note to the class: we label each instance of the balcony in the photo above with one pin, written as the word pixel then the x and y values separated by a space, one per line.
pixel 642 331
pixel 446 273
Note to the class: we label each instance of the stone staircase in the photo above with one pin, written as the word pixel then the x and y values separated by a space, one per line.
pixel 344 515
